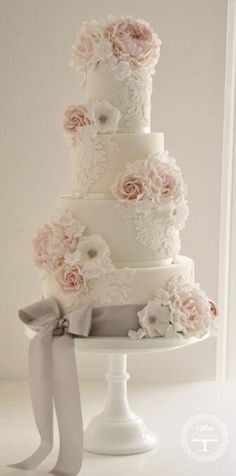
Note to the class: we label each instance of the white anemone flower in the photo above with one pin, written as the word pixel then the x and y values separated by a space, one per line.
pixel 155 319
pixel 106 117
pixel 93 255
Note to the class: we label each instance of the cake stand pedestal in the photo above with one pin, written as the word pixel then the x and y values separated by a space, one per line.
pixel 117 430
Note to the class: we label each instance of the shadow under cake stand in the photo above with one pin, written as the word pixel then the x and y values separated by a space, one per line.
pixel 117 430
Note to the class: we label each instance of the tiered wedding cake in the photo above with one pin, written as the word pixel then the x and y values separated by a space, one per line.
pixel 115 239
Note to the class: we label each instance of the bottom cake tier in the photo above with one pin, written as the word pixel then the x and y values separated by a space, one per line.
pixel 134 285
pixel 97 295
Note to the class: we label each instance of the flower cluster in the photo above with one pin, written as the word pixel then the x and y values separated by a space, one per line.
pixel 180 309
pixel 157 181
pixel 62 249
pixel 95 117
pixel 122 44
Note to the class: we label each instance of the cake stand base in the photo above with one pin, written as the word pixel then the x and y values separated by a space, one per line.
pixel 117 430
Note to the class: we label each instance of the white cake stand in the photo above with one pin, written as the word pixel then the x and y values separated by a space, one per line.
pixel 117 430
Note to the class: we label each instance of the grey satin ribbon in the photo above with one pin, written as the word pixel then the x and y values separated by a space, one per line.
pixel 53 373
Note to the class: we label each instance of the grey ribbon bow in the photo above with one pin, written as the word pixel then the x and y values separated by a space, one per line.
pixel 53 373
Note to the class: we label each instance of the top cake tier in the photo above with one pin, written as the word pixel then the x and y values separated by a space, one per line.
pixel 116 60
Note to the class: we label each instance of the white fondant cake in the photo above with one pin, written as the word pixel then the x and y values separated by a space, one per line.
pixel 115 239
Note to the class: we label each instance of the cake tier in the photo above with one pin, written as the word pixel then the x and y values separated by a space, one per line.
pixel 131 95
pixel 146 281
pixel 95 164
pixel 129 240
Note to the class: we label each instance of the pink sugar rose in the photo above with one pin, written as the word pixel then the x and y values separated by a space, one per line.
pixel 194 312
pixel 214 309
pixel 51 244
pixel 166 181
pixel 133 41
pixel 75 118
pixel 191 313
pixel 168 185
pixel 83 48
pixel 130 188
pixel 71 278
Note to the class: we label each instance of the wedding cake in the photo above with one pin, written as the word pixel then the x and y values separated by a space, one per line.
pixel 115 239
pixel 109 256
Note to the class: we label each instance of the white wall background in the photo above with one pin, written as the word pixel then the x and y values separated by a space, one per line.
pixel 37 85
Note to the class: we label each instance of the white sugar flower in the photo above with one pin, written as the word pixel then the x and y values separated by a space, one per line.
pixel 77 229
pixel 137 335
pixel 162 297
pixel 63 217
pixel 93 254
pixel 102 50
pixel 92 248
pixel 73 226
pixel 72 258
pixel 155 319
pixel 180 214
pixel 105 116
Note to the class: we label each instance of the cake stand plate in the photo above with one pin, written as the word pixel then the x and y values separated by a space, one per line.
pixel 117 430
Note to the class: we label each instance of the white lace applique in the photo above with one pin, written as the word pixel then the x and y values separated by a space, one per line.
pixel 111 288
pixel 135 99
pixel 89 131
pixel 93 153
pixel 152 229
pixel 115 288
pixel 150 197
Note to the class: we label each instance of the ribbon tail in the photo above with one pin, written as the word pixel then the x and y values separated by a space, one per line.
pixel 68 407
pixel 40 377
